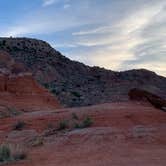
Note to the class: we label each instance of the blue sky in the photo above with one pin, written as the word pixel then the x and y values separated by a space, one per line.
pixel 115 34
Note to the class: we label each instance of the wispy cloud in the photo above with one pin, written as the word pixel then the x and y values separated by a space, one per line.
pixel 66 6
pixel 135 41
pixel 103 29
pixel 48 2
pixel 118 35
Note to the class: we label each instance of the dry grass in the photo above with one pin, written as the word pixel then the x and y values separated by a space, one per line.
pixel 11 152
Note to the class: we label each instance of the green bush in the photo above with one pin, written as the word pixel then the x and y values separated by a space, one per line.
pixel 77 126
pixel 5 153
pixel 4 42
pixel 87 122
pixel 76 94
pixel 11 153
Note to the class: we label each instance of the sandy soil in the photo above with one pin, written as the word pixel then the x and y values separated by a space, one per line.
pixel 123 134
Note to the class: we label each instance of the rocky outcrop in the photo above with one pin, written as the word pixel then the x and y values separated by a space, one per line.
pixel 22 91
pixel 74 83
pixel 18 89
pixel 156 101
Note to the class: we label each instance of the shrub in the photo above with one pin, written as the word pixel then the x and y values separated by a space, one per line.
pixel 77 126
pixel 5 153
pixel 4 42
pixel 11 153
pixel 76 94
pixel 19 125
pixel 87 122
pixel 54 91
pixel 15 48
pixel 63 125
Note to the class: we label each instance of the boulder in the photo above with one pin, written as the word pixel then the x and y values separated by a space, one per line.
pixel 142 95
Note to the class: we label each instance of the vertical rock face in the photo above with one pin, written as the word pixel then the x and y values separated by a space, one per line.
pixel 19 89
pixel 22 84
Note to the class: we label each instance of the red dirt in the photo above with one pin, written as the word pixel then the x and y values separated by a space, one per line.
pixel 123 134
pixel 22 92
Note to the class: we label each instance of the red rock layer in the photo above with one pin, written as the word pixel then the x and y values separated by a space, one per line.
pixel 18 89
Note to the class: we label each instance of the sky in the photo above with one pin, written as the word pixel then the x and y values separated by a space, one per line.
pixel 114 34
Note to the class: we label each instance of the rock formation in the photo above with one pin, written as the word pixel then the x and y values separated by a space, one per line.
pixel 156 101
pixel 74 83
pixel 18 89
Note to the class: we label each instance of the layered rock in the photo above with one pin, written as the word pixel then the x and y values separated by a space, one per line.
pixel 139 94
pixel 18 89
pixel 74 83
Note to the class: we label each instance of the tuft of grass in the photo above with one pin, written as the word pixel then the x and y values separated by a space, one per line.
pixel 63 125
pixel 19 125
pixel 87 122
pixel 5 153
pixel 77 126
pixel 9 153
pixel 76 94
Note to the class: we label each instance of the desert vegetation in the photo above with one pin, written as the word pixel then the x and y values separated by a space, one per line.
pixel 9 153
pixel 87 122
pixel 75 122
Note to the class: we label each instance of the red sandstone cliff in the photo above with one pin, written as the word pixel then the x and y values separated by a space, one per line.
pixel 18 89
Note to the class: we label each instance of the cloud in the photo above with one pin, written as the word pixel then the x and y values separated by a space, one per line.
pixel 42 23
pixel 135 41
pixel 64 45
pixel 118 35
pixel 66 6
pixel 103 29
pixel 48 2
pixel 150 53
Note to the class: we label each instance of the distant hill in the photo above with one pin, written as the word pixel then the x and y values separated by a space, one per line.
pixel 74 83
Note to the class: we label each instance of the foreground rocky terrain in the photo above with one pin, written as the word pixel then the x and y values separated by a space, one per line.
pixel 74 83
pixel 122 134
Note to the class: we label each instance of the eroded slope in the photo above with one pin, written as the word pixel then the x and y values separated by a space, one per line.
pixel 74 83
